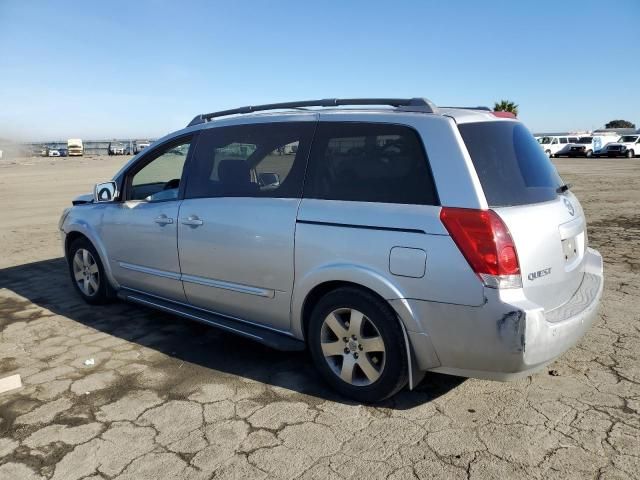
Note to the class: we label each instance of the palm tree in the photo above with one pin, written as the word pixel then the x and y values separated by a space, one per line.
pixel 506 106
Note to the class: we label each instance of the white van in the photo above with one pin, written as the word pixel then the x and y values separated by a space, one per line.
pixel 554 144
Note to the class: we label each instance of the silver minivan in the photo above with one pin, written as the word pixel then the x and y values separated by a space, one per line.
pixel 389 239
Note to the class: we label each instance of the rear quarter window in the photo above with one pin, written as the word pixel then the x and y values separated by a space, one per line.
pixel 369 162
pixel 512 168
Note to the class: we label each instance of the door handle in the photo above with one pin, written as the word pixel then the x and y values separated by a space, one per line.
pixel 192 221
pixel 163 220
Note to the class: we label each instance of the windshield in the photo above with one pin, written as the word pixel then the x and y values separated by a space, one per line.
pixel 585 140
pixel 545 140
pixel 628 138
pixel 511 167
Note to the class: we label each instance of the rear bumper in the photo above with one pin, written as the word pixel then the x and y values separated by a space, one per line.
pixel 509 336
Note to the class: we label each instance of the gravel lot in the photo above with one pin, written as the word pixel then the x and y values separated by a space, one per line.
pixel 172 399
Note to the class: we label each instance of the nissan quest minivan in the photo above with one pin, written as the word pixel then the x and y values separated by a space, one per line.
pixel 389 239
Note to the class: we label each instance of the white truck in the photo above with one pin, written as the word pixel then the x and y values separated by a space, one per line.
pixel 589 145
pixel 75 148
pixel 626 146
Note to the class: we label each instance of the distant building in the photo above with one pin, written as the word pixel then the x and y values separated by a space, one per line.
pixel 618 131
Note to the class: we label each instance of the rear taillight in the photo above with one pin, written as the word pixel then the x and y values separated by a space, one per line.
pixel 503 114
pixel 486 243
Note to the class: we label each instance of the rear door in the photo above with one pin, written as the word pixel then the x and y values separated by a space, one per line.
pixel 521 184
pixel 237 222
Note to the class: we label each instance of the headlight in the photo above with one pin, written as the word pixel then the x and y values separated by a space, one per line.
pixel 63 217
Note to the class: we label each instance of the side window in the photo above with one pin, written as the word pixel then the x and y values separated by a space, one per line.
pixel 369 162
pixel 258 160
pixel 554 141
pixel 159 179
pixel 563 140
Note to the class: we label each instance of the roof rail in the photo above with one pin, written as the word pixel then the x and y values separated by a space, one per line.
pixel 405 104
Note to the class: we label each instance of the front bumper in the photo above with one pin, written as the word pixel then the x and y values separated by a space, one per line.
pixel 509 336
pixel 615 153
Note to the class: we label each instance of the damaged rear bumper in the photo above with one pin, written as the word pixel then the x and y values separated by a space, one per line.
pixel 509 336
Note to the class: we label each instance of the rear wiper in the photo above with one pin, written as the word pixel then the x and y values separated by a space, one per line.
pixel 563 188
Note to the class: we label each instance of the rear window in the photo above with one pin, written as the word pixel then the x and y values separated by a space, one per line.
pixel 369 162
pixel 511 166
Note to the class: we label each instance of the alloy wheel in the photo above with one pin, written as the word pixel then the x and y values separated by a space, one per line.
pixel 353 347
pixel 86 272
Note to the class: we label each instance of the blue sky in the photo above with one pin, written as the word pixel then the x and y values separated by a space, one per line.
pixel 144 68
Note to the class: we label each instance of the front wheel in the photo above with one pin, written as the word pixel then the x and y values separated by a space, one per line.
pixel 630 154
pixel 87 272
pixel 589 153
pixel 548 153
pixel 358 346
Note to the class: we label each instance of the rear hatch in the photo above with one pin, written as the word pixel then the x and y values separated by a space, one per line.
pixel 545 220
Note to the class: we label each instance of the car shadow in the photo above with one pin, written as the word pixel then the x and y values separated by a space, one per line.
pixel 46 284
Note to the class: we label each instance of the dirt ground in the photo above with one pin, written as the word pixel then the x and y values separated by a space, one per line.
pixel 171 399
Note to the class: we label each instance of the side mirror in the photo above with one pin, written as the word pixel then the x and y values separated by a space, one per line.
pixel 269 179
pixel 105 192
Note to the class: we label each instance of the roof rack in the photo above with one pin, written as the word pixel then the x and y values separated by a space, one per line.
pixel 486 109
pixel 405 104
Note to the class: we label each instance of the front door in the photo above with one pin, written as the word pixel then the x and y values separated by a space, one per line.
pixel 237 223
pixel 140 232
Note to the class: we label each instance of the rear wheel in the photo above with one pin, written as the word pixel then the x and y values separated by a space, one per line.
pixel 87 272
pixel 357 344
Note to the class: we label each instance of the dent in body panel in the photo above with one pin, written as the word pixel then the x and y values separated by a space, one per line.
pixel 511 329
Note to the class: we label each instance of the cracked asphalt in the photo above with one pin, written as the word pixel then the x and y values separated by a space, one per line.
pixel 171 399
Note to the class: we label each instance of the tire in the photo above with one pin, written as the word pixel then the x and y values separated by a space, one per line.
pixel 548 153
pixel 589 153
pixel 87 273
pixel 630 154
pixel 378 347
